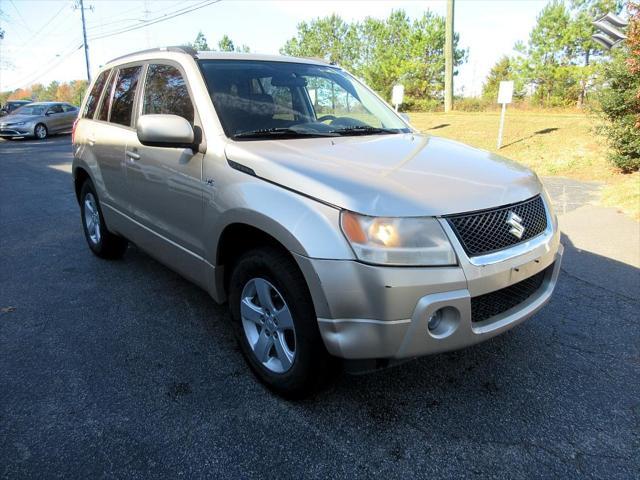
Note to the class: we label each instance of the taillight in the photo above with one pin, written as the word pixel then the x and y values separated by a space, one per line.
pixel 73 131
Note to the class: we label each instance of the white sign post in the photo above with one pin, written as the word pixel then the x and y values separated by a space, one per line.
pixel 397 95
pixel 505 95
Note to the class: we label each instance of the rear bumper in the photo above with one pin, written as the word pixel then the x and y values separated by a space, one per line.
pixel 370 312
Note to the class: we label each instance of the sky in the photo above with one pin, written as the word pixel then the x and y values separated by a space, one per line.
pixel 43 37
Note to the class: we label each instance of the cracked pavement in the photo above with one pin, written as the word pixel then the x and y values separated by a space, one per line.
pixel 125 370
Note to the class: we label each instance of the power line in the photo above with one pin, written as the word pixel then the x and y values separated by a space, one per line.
pixel 125 13
pixel 40 72
pixel 182 11
pixel 22 20
pixel 35 35
pixel 163 18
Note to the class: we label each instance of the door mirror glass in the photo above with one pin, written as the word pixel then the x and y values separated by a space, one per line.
pixel 161 130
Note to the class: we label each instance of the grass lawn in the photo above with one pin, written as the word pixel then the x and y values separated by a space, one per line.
pixel 561 144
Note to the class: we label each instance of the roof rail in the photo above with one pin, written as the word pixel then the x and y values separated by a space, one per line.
pixel 178 49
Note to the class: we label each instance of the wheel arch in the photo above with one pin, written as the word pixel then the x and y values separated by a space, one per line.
pixel 80 175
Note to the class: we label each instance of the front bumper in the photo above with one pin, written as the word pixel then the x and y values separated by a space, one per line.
pixel 374 312
pixel 21 131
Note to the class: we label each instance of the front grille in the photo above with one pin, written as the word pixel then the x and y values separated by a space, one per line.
pixel 488 231
pixel 494 303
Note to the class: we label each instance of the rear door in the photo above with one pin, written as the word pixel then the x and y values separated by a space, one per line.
pixel 85 135
pixel 113 128
pixel 70 115
pixel 165 184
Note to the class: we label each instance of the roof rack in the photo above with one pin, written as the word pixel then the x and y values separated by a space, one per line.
pixel 178 49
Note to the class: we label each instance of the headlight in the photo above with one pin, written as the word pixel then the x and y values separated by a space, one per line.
pixel 16 124
pixel 415 241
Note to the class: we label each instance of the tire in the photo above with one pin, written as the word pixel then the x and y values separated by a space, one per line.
pixel 311 366
pixel 40 131
pixel 101 241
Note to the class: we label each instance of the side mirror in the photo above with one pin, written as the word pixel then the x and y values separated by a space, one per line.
pixel 49 113
pixel 169 131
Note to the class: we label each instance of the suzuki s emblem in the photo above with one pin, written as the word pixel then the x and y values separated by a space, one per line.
pixel 515 222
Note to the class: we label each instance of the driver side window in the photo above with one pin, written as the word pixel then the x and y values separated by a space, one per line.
pixel 329 98
pixel 54 109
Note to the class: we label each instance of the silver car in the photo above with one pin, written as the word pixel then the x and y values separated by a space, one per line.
pixel 39 120
pixel 331 227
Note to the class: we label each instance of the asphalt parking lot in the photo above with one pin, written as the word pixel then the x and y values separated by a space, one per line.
pixel 125 370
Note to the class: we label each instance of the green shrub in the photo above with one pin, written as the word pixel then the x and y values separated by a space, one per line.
pixel 619 98
pixel 422 105
pixel 619 105
pixel 472 104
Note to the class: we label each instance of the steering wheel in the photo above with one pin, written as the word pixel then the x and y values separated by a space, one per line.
pixel 326 117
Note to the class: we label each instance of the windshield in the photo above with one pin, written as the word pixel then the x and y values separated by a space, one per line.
pixel 30 110
pixel 260 99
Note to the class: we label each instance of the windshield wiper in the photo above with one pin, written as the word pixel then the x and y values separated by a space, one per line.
pixel 281 132
pixel 363 130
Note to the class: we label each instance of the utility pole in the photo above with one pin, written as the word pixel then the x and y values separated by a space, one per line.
pixel 86 45
pixel 448 58
pixel 146 13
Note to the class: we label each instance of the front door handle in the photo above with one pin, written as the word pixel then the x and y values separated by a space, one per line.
pixel 133 155
pixel 91 141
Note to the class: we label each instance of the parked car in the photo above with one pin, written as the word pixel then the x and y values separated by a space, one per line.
pixel 39 120
pixel 12 105
pixel 333 229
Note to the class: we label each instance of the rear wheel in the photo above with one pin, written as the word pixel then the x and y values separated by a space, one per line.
pixel 40 131
pixel 276 325
pixel 101 241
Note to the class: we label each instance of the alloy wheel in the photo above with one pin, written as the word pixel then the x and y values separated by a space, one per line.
pixel 268 325
pixel 41 131
pixel 92 218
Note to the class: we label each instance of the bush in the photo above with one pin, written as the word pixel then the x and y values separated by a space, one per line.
pixel 422 105
pixel 472 104
pixel 619 100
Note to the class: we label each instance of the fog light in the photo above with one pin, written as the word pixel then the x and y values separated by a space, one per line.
pixel 434 320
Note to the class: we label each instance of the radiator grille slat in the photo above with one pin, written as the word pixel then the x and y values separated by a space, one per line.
pixel 491 304
pixel 488 231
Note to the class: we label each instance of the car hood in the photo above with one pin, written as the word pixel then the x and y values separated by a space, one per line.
pixel 11 118
pixel 389 175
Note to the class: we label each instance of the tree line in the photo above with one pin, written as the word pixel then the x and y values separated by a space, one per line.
pixel 559 64
pixel 72 92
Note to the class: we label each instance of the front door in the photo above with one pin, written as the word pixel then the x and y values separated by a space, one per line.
pixel 165 189
pixel 55 118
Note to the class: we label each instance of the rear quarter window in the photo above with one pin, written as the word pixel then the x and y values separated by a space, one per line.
pixel 94 96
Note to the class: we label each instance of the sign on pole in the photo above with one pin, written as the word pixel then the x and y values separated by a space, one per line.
pixel 505 95
pixel 397 95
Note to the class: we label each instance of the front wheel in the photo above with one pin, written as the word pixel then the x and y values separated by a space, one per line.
pixel 101 241
pixel 40 131
pixel 275 323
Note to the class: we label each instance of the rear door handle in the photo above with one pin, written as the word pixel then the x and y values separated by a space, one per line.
pixel 133 155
